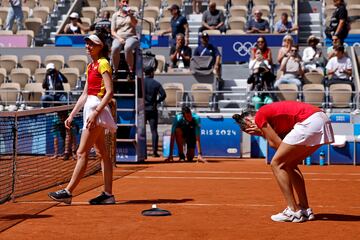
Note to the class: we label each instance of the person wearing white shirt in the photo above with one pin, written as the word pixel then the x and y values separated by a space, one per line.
pixel 312 55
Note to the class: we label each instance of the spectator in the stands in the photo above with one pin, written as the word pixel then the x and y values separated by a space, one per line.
pixel 53 85
pixel 103 26
pixel 260 69
pixel 261 45
pixel 154 94
pixel 339 24
pixel 339 68
pixel 179 24
pixel 123 30
pixel 196 6
pixel 207 49
pixel 75 26
pixel 292 68
pixel 213 19
pixel 331 50
pixel 14 12
pixel 284 51
pixel 180 54
pixel 312 55
pixel 257 24
pixel 284 25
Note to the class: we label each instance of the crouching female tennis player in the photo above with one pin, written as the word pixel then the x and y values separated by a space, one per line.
pixel 295 130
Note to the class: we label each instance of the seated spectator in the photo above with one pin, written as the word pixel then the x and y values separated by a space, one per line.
pixel 186 129
pixel 75 26
pixel 207 49
pixel 260 73
pixel 213 19
pixel 180 54
pixel 261 44
pixel 257 24
pixel 292 68
pixel 331 50
pixel 103 26
pixel 53 84
pixel 284 25
pixel 339 68
pixel 178 23
pixel 312 55
pixel 284 51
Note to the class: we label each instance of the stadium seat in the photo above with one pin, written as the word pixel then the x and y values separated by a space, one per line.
pixel 355 24
pixel 177 2
pixel 21 76
pixel 47 3
pixel 283 2
pixel 340 95
pixel 3 14
pixel 287 92
pixel 280 9
pixel 9 93
pixel 67 88
pixel 29 34
pixel 32 93
pixel 174 94
pixel 8 62
pixel 237 23
pixel 221 3
pixel 78 61
pixel 86 21
pixel 136 3
pixel 41 12
pixel 31 62
pixel 154 3
pixel 33 24
pixel 351 2
pixel 166 13
pixel 26 12
pixel 164 23
pixel 314 94
pixel 235 32
pixel 149 24
pixel 39 75
pixel 111 10
pixel 161 63
pixel 238 11
pixel 329 9
pixel 29 3
pixel 265 9
pixel 212 32
pixel 97 4
pixel 72 75
pixel 201 94
pixel 89 12
pixel 354 10
pixel 260 2
pixel 6 32
pixel 57 60
pixel 151 12
pixel 2 75
pixel 313 77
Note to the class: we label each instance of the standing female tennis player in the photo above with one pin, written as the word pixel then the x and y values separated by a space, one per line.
pixel 295 130
pixel 98 91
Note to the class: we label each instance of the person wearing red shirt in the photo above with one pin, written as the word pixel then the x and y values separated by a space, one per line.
pixel 295 130
pixel 98 92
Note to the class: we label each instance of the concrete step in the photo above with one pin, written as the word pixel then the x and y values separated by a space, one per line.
pixel 309 17
pixel 235 83
pixel 232 104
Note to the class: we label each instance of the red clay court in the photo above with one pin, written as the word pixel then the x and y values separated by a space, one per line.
pixel 224 199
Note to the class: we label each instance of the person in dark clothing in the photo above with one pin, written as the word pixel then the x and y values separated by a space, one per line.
pixel 103 26
pixel 180 54
pixel 339 24
pixel 154 94
pixel 53 83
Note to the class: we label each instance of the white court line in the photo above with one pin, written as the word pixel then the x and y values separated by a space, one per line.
pixel 241 172
pixel 235 178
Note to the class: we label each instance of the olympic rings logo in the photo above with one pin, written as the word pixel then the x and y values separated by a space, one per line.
pixel 356 44
pixel 243 49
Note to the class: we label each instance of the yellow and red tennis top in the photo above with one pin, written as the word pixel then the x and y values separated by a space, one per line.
pixel 94 73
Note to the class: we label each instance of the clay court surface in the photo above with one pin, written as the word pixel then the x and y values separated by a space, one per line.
pixel 223 199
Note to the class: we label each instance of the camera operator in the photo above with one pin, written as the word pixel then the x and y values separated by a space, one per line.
pixel 53 83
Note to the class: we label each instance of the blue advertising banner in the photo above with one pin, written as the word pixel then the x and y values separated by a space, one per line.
pixel 69 40
pixel 340 118
pixel 237 48
pixel 351 40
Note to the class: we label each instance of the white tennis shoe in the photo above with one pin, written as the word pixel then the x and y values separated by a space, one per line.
pixel 309 214
pixel 289 215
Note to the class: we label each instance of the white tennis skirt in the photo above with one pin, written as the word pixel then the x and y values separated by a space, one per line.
pixel 315 130
pixel 104 119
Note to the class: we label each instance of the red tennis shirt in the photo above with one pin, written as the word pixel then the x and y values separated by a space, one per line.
pixel 282 116
pixel 94 73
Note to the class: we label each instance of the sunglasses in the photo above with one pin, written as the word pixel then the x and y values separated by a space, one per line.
pixel 260 41
pixel 335 39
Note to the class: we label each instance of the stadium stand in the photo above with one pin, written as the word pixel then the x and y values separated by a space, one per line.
pixel 8 62
pixel 21 76
pixel 3 75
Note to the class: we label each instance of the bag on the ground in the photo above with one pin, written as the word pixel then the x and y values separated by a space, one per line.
pixel 201 65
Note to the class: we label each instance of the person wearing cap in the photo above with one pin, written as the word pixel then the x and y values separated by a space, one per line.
pixel 53 85
pixel 154 95
pixel 185 129
pixel 312 55
pixel 180 54
pixel 94 100
pixel 213 19
pixel 178 24
pixel 284 25
pixel 75 26
pixel 295 130
pixel 257 24
pixel 207 49
pixel 123 30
